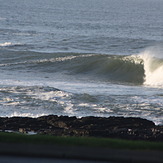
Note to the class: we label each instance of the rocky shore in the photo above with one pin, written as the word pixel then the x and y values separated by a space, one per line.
pixel 112 127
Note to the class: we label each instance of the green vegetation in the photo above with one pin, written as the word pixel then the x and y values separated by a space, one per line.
pixel 81 141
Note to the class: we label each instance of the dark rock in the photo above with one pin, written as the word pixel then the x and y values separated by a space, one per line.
pixel 113 127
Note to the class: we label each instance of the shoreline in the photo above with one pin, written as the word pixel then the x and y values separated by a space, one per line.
pixel 129 128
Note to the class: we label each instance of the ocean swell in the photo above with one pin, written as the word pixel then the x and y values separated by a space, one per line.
pixel 98 67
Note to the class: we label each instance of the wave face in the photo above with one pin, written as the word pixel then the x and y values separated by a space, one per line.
pixel 113 68
pixel 91 66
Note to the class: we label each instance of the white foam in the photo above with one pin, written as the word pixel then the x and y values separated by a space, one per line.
pixel 5 44
pixel 33 115
pixel 153 66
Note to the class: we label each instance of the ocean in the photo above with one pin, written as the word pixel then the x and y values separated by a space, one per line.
pixel 82 58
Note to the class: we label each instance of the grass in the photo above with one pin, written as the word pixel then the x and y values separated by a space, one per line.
pixel 81 141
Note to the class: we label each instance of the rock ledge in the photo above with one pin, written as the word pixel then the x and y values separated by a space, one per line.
pixel 112 127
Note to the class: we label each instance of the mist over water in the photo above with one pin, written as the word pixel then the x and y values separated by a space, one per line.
pixel 81 58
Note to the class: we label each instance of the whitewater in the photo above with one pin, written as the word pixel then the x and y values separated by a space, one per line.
pixel 82 58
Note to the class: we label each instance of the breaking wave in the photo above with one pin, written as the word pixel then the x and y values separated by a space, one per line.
pixel 144 68
pixel 153 66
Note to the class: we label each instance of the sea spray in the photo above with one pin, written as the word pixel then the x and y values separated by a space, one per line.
pixel 153 66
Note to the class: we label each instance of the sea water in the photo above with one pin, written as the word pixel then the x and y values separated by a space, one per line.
pixel 81 58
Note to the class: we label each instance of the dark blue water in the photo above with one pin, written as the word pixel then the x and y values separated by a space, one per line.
pixel 81 57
